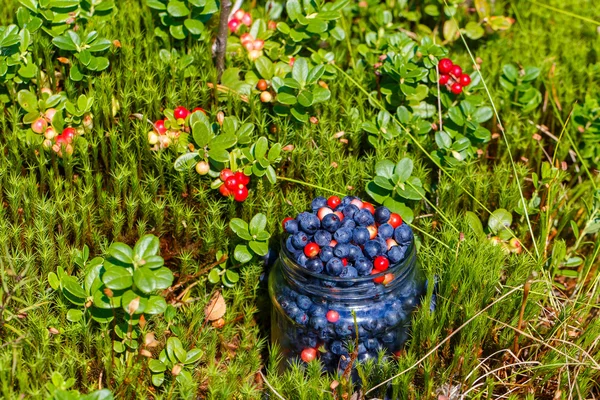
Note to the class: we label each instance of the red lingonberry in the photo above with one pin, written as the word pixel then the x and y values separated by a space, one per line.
pixel 160 126
pixel 241 193
pixel 333 202
pixel 378 279
pixel 345 261
pixel 242 178
pixel 247 19
pixel 456 71
pixel 372 231
pixel 226 173
pixel 181 112
pixel 232 183
pixel 444 79
pixel 369 207
pixel 387 278
pixel 323 211
pixel 39 125
pixel 308 354
pixel 340 215
pixel 285 220
pixel 332 316
pixel 445 65
pixel 456 88
pixel 381 263
pixel 234 25
pixel 262 85
pixel 464 80
pixel 395 220
pixel 224 191
pixel 69 134
pixel 311 250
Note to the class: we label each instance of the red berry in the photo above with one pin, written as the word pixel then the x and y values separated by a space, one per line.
pixel 234 25
pixel 311 250
pixel 160 126
pixel 369 207
pixel 239 14
pixel 395 220
pixel 262 85
pixel 372 231
pixel 232 183
pixel 378 279
pixel 224 191
pixel 456 71
pixel 332 316
pixel 333 243
pixel 456 88
pixel 444 79
pixel 323 211
pixel 69 134
pixel 225 174
pixel 241 193
pixel 199 109
pixel 391 243
pixel 464 80
pixel 445 65
pixel 308 354
pixel 242 178
pixel 340 215
pixel 345 261
pixel 61 140
pixel 247 19
pixel 181 112
pixel 387 278
pixel 334 201
pixel 285 220
pixel 381 263
pixel 357 202
pixel 39 125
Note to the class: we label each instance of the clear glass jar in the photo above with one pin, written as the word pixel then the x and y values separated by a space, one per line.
pixel 302 301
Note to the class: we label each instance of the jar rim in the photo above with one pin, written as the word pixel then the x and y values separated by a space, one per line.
pixel 392 269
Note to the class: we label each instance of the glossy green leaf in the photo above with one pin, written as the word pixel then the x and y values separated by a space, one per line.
pixel 241 228
pixel 117 278
pixel 258 223
pixel 156 366
pixel 242 254
pixel 121 252
pixel 147 245
pixel 163 278
pixel 156 305
pixel 74 315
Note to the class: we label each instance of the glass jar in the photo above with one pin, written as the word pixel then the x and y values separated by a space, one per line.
pixel 320 314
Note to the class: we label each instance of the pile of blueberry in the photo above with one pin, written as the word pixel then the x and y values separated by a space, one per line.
pixel 345 241
pixel 347 238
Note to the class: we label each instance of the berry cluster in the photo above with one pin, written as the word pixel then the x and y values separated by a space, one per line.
pixel 165 133
pixel 254 46
pixel 348 238
pixel 234 184
pixel 265 95
pixel 60 144
pixel 240 18
pixel 452 76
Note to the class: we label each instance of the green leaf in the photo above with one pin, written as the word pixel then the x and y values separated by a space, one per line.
pixel 144 279
pixel 118 347
pixel 64 43
pixel 404 169
pixel 130 296
pixel 147 245
pixel 258 223
pixel 265 67
pixel 240 227
pixel 158 379
pixel 201 130
pixel 194 26
pixel 499 220
pixel 175 350
pixel 53 281
pixel 300 114
pixel 385 168
pixel 293 9
pixel 260 248
pixel 117 278
pixel 163 278
pixel 286 98
pixel 213 276
pixel 74 315
pixel 156 305
pixel 474 223
pixel 232 276
pixel 300 71
pixel 510 72
pixel 456 116
pixel 121 252
pixel 261 147
pixel 27 100
pixel 193 356
pixel 186 161
pixel 305 98
pixel 71 285
pixel 320 94
pixel 271 175
pixel 177 32
pixel 474 30
pixel 483 114
pixel 153 262
pixel 156 366
pixel 400 208
pixel 223 141
pixel 219 154
pixel 177 9
pixel 242 254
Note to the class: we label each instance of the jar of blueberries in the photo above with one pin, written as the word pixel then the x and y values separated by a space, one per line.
pixel 345 285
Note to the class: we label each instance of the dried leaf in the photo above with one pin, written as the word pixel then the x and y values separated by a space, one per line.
pixel 216 307
pixel 150 341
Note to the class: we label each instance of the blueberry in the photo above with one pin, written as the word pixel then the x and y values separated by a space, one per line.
pixel 326 333
pixel 382 215
pixel 322 238
pixel 308 341
pixel 334 266
pixel 301 317
pixel 361 235
pixel 317 311
pixel 303 302
pixel 338 348
pixel 349 273
pixel 373 249
pixel 347 200
pixel 372 344
pixel 301 260
pixel 289 246
pixel 343 235
pixel 308 222
pixel 388 337
pixel 403 235
pixel 348 223
pixel 361 348
pixel 364 217
pixel 317 203
pixel 287 292
pixel 299 240
pixel 392 318
pixel 314 265
pixel 318 323
pixel 326 253
pixel 382 244
pixel 331 222
pixel 292 310
pixel 350 210
pixel 396 254
pixel 385 231
pixel 291 226
pixel 343 330
pixel 341 250
pixel 354 252
pixel 363 266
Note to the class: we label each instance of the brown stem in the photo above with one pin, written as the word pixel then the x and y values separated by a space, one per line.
pixel 526 288
pixel 221 42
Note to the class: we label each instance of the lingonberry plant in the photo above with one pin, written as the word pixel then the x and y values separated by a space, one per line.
pixel 520 88
pixel 221 274
pixel 84 49
pixel 181 19
pixel 176 360
pixel 60 389
pixel 16 64
pixel 254 233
